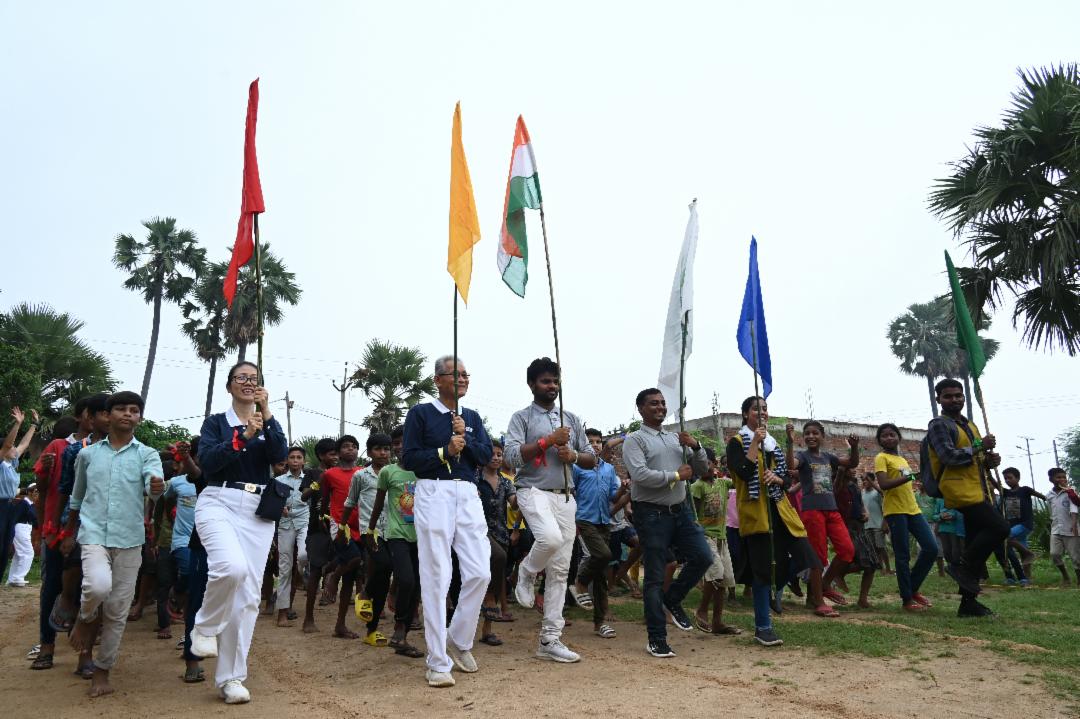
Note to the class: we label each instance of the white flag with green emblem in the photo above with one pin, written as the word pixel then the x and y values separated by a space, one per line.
pixel 675 350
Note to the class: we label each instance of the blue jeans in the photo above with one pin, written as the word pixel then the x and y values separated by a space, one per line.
pixel 909 578
pixel 198 572
pixel 661 529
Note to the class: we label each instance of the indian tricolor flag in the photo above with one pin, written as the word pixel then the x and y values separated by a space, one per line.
pixel 522 192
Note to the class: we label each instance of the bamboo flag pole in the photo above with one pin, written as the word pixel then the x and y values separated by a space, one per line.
pixel 763 488
pixel 555 333
pixel 259 298
pixel 456 398
pixel 682 381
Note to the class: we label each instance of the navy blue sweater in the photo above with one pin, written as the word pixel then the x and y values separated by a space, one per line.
pixel 224 455
pixel 427 430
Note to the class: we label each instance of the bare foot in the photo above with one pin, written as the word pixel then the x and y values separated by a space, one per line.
pixel 283 618
pixel 165 633
pixel 309 626
pixel 135 614
pixel 863 603
pixel 345 633
pixel 83 634
pixel 99 684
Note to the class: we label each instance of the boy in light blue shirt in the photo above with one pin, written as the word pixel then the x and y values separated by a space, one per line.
pixel 107 505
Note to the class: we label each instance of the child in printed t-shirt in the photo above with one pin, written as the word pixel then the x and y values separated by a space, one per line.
pixel 395 494
pixel 818 511
pixel 710 494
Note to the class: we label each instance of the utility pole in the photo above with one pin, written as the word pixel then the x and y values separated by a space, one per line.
pixel 346 385
pixel 1057 462
pixel 288 416
pixel 1031 469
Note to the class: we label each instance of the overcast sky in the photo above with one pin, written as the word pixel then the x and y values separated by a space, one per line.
pixel 817 127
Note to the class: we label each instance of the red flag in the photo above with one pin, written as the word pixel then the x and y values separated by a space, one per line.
pixel 251 200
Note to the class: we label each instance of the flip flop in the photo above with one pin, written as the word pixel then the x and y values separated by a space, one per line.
pixel 582 599
pixel 364 611
pixel 508 617
pixel 86 672
pixel 42 661
pixel 490 613
pixel 408 650
pixel 491 640
pixel 605 631
pixel 291 615
pixel 702 625
pixel 826 611
pixel 835 597
pixel 726 629
pixel 194 676
pixel 61 619
pixel 376 639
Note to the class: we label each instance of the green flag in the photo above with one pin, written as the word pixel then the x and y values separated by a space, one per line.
pixel 966 336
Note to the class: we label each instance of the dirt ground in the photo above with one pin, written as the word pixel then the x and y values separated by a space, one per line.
pixel 293 674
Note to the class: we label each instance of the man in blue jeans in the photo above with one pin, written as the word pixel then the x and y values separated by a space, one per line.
pixel 657 461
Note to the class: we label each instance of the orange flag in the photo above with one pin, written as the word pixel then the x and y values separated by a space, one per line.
pixel 464 225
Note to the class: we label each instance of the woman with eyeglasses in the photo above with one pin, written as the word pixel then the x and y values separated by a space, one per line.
pixel 237 448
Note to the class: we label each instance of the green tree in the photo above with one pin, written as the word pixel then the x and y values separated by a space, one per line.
pixel 204 323
pixel 68 368
pixel 279 289
pixel 924 343
pixel 393 378
pixel 156 268
pixel 20 380
pixel 1070 447
pixel 1014 200
pixel 160 436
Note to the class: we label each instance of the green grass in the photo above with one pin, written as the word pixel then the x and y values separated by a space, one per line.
pixel 1038 627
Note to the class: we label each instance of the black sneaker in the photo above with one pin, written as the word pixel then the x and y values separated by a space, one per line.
pixel 971 608
pixel 767 638
pixel 678 616
pixel 659 648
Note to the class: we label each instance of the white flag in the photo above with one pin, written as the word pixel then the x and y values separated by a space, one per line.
pixel 679 310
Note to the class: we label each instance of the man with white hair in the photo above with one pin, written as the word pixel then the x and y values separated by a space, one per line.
pixel 444 446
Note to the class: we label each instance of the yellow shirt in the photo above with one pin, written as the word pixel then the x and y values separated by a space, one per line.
pixel 898 500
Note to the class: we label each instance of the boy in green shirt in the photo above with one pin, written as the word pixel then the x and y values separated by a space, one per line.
pixel 395 493
pixel 710 495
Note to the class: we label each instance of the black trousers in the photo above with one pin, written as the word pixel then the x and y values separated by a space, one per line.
pixel 378 567
pixel 984 531
pixel 406 567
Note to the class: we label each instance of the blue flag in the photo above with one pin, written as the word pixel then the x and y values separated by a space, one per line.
pixel 752 337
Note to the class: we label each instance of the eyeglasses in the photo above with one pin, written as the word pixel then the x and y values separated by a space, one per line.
pixel 462 375
pixel 245 378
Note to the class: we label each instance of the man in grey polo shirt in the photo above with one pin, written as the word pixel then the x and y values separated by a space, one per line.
pixel 659 471
pixel 542 449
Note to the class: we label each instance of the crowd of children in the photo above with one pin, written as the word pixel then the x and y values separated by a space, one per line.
pixel 443 526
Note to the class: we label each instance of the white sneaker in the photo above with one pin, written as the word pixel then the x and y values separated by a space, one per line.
pixel 439 679
pixel 556 651
pixel 204 646
pixel 524 589
pixel 234 692
pixel 463 659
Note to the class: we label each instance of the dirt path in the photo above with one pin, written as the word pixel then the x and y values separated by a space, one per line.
pixel 314 676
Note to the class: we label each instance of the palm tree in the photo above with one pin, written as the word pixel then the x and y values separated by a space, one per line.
pixel 393 378
pixel 1014 200
pixel 279 287
pixel 157 270
pixel 70 369
pixel 204 322
pixel 923 342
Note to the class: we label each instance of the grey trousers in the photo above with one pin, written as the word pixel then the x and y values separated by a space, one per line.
pixel 108 585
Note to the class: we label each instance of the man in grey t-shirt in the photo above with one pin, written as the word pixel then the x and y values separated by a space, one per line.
pixel 660 465
pixel 542 448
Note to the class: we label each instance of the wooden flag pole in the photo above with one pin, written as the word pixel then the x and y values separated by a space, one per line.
pixel 259 297
pixel 555 332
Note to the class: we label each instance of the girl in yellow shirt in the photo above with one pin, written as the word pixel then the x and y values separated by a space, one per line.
pixel 902 513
